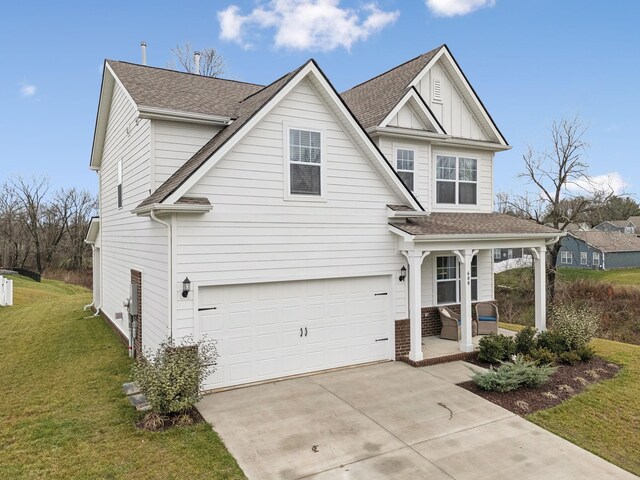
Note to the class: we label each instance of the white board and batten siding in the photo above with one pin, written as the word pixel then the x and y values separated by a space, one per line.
pixel 450 108
pixel 126 240
pixel 253 235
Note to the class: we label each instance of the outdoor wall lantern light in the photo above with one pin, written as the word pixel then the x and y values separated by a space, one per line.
pixel 186 287
pixel 403 273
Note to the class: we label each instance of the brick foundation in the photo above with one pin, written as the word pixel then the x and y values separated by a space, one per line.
pixel 434 361
pixel 431 326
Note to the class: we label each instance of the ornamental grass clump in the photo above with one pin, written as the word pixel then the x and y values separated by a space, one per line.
pixel 171 378
pixel 512 375
pixel 576 325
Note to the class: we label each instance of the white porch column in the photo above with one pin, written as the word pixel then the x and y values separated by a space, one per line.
pixel 465 257
pixel 540 269
pixel 415 258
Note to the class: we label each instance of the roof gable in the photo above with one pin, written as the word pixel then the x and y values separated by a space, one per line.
pixel 413 104
pixel 609 241
pixel 251 111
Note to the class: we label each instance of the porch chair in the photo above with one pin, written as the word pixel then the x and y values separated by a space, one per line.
pixel 488 318
pixel 451 324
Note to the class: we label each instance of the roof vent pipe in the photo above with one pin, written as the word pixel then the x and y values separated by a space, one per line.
pixel 196 58
pixel 143 46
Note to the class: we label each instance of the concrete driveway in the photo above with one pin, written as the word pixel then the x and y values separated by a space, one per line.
pixel 389 421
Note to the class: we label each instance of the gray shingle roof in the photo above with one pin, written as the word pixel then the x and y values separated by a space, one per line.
pixel 185 92
pixel 245 111
pixel 471 223
pixel 374 99
pixel 610 241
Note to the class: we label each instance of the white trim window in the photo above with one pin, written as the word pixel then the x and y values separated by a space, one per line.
pixel 119 188
pixel 595 258
pixel 566 257
pixel 510 253
pixel 456 180
pixel 305 162
pixel 584 258
pixel 629 230
pixel 405 166
pixel 448 279
pixel 497 254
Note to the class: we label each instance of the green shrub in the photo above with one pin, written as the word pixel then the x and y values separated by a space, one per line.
pixel 551 340
pixel 572 357
pixel 586 353
pixel 171 377
pixel 495 348
pixel 513 375
pixel 525 340
pixel 542 356
pixel 577 325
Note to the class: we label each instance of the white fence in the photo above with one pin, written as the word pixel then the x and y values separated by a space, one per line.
pixel 6 292
pixel 525 261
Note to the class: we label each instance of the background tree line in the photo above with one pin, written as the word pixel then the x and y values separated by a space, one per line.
pixel 42 229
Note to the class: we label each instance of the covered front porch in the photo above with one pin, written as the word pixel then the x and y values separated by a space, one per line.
pixel 459 238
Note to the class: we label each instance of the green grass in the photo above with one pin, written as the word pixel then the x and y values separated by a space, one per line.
pixel 606 418
pixel 624 276
pixel 62 410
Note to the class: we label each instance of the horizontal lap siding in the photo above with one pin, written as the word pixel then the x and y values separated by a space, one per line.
pixel 253 234
pixel 174 144
pixel 127 241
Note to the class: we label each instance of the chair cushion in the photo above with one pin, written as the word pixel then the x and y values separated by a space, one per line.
pixel 487 319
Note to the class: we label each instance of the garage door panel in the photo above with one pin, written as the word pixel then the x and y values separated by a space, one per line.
pixel 259 326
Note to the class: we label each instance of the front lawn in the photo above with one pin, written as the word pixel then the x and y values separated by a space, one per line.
pixel 606 418
pixel 621 276
pixel 62 411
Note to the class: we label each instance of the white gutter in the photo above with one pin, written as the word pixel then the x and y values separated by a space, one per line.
pixel 437 138
pixel 170 271
pixel 406 213
pixel 155 113
pixel 488 236
pixel 168 208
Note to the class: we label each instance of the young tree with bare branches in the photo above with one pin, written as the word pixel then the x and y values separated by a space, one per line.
pixel 563 192
pixel 211 63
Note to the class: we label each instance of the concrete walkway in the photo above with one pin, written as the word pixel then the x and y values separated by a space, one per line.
pixel 389 421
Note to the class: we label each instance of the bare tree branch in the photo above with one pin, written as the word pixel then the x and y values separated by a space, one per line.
pixel 211 63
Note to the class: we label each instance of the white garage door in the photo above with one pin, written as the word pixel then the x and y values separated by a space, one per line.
pixel 273 330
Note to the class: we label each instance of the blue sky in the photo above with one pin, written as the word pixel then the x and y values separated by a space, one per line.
pixel 531 61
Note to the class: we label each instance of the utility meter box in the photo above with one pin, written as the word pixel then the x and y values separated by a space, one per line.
pixel 133 299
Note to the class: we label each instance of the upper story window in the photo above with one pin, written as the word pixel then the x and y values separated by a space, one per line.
pixel 448 279
pixel 456 180
pixel 566 257
pixel 405 166
pixel 497 254
pixel 119 183
pixel 629 230
pixel 305 162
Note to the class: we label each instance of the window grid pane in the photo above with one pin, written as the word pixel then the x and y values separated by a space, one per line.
pixel 305 157
pixel 446 168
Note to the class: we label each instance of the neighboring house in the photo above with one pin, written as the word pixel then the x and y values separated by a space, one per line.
pixel 621 226
pixel 598 249
pixel 316 230
pixel 502 254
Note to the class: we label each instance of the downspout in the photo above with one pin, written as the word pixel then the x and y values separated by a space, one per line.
pixel 93 297
pixel 169 269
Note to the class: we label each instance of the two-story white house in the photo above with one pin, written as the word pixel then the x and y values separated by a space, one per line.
pixel 316 230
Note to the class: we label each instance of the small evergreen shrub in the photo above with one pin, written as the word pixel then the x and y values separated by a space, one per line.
pixel 171 377
pixel 513 375
pixel 571 357
pixel 552 341
pixel 576 325
pixel 542 356
pixel 586 353
pixel 496 348
pixel 525 340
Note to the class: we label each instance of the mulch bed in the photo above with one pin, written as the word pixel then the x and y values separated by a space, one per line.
pixel 567 382
pixel 156 423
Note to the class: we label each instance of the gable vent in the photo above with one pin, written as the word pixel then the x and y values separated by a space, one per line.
pixel 437 90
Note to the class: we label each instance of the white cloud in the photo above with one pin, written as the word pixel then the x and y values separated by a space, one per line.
pixel 305 24
pixel 608 183
pixel 27 90
pixel 451 8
